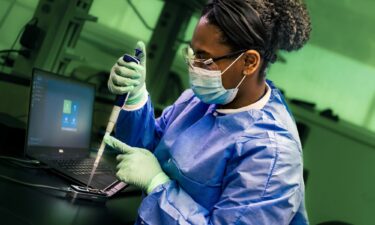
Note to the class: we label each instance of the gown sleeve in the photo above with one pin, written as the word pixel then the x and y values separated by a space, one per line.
pixel 139 128
pixel 261 185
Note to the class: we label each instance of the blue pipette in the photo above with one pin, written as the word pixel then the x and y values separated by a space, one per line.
pixel 119 103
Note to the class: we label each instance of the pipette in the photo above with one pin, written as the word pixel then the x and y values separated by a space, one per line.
pixel 120 101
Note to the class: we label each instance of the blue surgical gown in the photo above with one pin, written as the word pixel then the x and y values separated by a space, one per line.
pixel 242 168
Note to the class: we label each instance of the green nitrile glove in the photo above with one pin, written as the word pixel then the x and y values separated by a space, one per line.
pixel 129 77
pixel 137 166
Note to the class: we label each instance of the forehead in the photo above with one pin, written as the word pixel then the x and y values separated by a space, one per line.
pixel 206 38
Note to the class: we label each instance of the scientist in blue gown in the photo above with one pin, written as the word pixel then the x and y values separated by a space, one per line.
pixel 227 151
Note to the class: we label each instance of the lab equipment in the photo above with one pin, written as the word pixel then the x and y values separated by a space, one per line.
pixel 128 76
pixel 53 30
pixel 121 100
pixel 137 166
pixel 79 192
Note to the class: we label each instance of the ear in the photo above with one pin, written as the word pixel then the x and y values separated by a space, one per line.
pixel 252 62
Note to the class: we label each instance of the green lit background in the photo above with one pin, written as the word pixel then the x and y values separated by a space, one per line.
pixel 335 70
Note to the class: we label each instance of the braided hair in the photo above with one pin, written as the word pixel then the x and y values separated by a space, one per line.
pixel 263 25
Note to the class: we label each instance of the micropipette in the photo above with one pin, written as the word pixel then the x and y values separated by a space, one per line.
pixel 120 101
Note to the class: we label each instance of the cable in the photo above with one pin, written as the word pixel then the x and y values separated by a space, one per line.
pixel 26 164
pixel 13 50
pixel 7 12
pixel 35 185
pixel 12 47
pixel 31 161
pixel 139 15
pixel 15 41
pixel 30 167
pixel 21 116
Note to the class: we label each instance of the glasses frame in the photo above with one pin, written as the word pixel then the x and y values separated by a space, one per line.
pixel 209 61
pixel 228 56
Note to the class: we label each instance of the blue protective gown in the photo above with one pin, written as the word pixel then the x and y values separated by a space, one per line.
pixel 242 168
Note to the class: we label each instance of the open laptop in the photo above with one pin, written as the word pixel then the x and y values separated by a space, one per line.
pixel 59 130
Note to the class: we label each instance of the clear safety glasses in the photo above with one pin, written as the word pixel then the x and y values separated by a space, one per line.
pixel 208 64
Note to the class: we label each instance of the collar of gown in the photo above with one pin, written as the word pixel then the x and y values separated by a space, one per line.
pixel 256 105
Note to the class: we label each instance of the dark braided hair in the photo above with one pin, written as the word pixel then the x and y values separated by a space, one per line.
pixel 263 25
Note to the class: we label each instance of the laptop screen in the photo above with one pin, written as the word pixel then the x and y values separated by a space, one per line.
pixel 60 112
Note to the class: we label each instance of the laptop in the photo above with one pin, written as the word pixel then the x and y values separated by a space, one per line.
pixel 59 130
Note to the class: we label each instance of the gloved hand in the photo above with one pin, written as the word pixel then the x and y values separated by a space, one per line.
pixel 137 166
pixel 129 77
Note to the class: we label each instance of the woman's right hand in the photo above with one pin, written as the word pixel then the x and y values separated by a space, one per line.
pixel 129 77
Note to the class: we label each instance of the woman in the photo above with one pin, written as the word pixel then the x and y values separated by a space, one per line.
pixel 227 151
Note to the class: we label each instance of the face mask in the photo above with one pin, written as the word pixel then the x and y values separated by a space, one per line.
pixel 208 87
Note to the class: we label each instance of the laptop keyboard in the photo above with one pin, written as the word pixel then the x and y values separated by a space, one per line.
pixel 83 166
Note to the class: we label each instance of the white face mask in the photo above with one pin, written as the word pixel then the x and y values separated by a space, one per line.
pixel 208 87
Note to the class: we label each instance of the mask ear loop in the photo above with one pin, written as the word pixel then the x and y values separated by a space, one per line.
pixel 232 63
pixel 239 84
pixel 243 78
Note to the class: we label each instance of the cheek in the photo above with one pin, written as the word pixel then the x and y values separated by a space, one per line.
pixel 232 77
pixel 227 80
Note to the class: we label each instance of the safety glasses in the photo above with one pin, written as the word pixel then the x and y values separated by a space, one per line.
pixel 209 64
